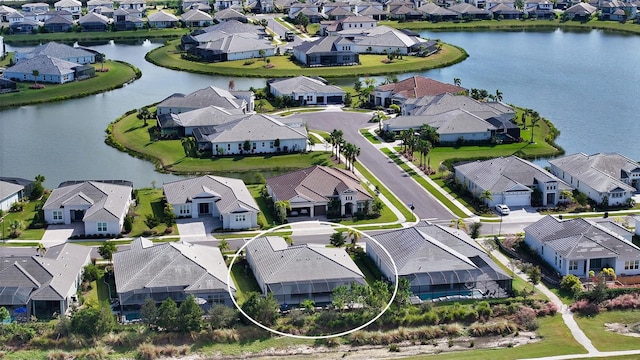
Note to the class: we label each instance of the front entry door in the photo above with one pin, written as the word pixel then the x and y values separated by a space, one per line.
pixel 203 208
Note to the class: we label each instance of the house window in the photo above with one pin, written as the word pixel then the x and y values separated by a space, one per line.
pixel 184 210
pixel 57 215
pixel 241 217
pixel 228 146
pixel 271 144
pixel 254 146
pixel 309 97
pixel 239 146
pixel 102 227
pixel 573 265
pixel 632 265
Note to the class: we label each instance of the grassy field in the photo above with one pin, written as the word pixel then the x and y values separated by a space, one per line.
pixel 541 25
pixel 81 37
pixel 244 280
pixel 119 73
pixel 25 217
pixel 603 340
pixel 169 56
pixel 149 203
pixel 131 135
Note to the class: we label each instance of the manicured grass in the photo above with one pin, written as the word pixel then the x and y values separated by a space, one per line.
pixel 593 327
pixel 140 34
pixel 372 139
pixel 169 56
pixel 25 217
pixel 488 25
pixel 408 214
pixel 244 280
pixel 425 184
pixel 556 340
pixel 129 134
pixel 298 111
pixel 149 203
pixel 266 215
pixel 119 73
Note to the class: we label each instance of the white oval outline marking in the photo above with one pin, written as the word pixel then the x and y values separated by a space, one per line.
pixel 335 226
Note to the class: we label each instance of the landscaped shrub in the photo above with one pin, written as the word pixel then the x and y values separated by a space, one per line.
pixel 547 309
pixel 623 302
pixel 147 351
pixel 585 307
pixel 224 335
pixel 525 317
pixel 58 355
pixel 494 328
pixel 94 353
pixel 571 284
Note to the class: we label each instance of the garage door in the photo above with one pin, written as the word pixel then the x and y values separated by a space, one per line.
pixel 334 99
pixel 517 199
pixel 319 210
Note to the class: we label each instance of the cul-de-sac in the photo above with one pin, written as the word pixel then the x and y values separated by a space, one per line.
pixel 231 179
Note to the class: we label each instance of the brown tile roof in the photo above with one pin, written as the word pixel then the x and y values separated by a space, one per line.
pixel 418 86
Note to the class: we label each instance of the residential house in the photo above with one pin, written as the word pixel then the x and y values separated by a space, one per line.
pixel 327 51
pixel 58 24
pixel 347 23
pixel 320 191
pixel 372 9
pixel 511 181
pixel 437 104
pixel 35 8
pixel 336 10
pixel 414 87
pixel 540 9
pixel 43 285
pixel 54 13
pixel 104 11
pixel 469 11
pixel 310 10
pixel 127 19
pixel 439 262
pixel 434 12
pixel 196 18
pixel 225 199
pixel 178 125
pixel 173 270
pixel 580 11
pixel 233 47
pixel 5 11
pixel 100 205
pixel 230 14
pixel 195 4
pixel 161 19
pixel 92 4
pixel 405 13
pixel 252 134
pixel 603 177
pixel 140 5
pixel 504 11
pixel 50 70
pixel 234 102
pixel 60 51
pixel 617 10
pixel 13 190
pixel 7 85
pixel 576 246
pixel 225 4
pixel 72 6
pixel 306 90
pixel 94 22
pixel 387 40
pixel 20 25
pixel 297 273
pixel 221 30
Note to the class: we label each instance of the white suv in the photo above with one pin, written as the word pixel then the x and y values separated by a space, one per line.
pixel 502 209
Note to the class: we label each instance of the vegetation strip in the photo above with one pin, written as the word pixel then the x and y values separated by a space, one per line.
pixel 169 56
pixel 119 74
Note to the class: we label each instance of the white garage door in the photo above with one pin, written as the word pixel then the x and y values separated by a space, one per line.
pixel 517 199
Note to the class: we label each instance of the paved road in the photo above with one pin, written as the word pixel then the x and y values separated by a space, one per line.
pixel 394 178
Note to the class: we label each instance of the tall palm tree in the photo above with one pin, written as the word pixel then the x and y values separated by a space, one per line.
pixel 347 150
pixel 486 195
pixel 458 224
pixel 535 118
pixel 41 250
pixel 354 155
pixel 423 147
pixel 379 116
pixel 429 133
pixel 499 94
pixel 35 74
pixel 339 143
pixel 457 81
pixel 224 245
pixel 354 235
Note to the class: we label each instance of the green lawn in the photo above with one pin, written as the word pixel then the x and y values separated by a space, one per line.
pixel 169 56
pixel 119 73
pixel 603 340
pixel 266 215
pixel 244 280
pixel 25 217
pixel 81 37
pixel 130 134
pixel 541 25
pixel 372 139
pixel 149 203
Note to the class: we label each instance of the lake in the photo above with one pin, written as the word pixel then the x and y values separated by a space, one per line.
pixel 586 83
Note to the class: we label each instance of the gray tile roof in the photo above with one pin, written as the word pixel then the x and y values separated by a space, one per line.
pixel 162 16
pixel 207 116
pixel 196 15
pixel 316 183
pixel 57 19
pixel 455 121
pixel 50 277
pixel 441 103
pixel 45 64
pixel 236 27
pixel 9 188
pixel 108 201
pixel 176 264
pixel 209 96
pixel 93 17
pixel 57 50
pixel 279 263
pixel 232 193
pixel 602 172
pixel 229 13
pixel 433 9
pixel 581 239
pixel 303 84
pixel 323 44
pixel 257 127
pixel 503 174
pixel 236 43
pixel 441 253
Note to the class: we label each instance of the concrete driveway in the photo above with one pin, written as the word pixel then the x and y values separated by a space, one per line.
pixel 58 234
pixel 199 229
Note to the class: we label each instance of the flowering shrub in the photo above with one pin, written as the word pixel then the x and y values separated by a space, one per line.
pixel 36 86
pixel 525 317
pixel 623 302
pixel 585 307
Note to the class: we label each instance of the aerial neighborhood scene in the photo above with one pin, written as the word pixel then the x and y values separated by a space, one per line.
pixel 231 179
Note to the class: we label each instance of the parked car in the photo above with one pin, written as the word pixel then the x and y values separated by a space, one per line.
pixel 502 209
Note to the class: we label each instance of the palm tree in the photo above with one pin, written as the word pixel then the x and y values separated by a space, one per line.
pixel 458 224
pixel 498 96
pixel 429 133
pixel 41 250
pixel 486 195
pixel 347 150
pixel 223 245
pixel 35 74
pixel 354 235
pixel 457 81
pixel 339 143
pixel 354 155
pixel 379 116
pixel 535 118
pixel 423 147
